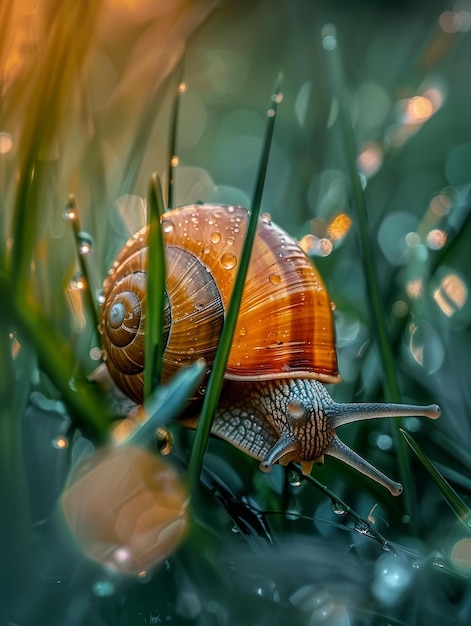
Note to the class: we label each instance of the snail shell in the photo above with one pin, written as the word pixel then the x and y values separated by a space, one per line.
pixel 285 325
pixel 274 405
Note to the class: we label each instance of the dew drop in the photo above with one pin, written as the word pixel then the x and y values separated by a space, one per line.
pixel 215 237
pixel 167 226
pixel 69 213
pixel 363 529
pixel 78 282
pixel 230 209
pixel 329 37
pixel 266 218
pixel 294 479
pixel 337 508
pixel 230 241
pixel 95 353
pixel 275 279
pixel 207 249
pixel 190 351
pixel 228 260
pixel 242 331
pixel 84 242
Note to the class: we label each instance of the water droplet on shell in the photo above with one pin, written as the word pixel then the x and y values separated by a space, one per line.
pixel 228 261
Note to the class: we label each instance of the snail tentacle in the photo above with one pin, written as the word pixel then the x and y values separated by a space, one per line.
pixel 286 444
pixel 342 452
pixel 340 414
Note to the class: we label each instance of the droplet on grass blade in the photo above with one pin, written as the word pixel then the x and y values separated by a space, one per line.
pixel 85 242
pixel 329 37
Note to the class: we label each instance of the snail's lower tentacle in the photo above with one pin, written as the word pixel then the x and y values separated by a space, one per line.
pixel 286 443
pixel 342 452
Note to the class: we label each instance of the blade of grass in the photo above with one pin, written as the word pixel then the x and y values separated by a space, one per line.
pixel 56 359
pixel 155 289
pixel 173 159
pixel 225 343
pixel 15 519
pixel 362 526
pixel 72 215
pixel 377 313
pixel 167 402
pixel 458 506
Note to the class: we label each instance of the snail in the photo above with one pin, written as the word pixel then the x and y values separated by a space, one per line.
pixel 274 405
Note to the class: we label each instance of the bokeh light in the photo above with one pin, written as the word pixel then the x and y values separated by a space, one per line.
pixel 451 295
pixel 6 143
pixel 426 346
pixel 370 159
pixel 339 226
pixel 461 556
pixel 393 577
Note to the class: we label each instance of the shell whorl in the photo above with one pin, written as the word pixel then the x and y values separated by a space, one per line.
pixel 285 325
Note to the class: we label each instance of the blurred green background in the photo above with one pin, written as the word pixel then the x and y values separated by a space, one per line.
pixel 86 109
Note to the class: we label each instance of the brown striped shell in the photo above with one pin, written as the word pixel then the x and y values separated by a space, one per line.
pixel 285 327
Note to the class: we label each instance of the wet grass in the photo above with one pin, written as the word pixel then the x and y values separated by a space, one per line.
pixel 260 548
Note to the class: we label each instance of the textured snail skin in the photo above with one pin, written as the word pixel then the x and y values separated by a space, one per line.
pixel 295 420
pixel 273 405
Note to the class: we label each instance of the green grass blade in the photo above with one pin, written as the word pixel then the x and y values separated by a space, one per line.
pixel 15 520
pixel 217 374
pixel 359 205
pixel 377 311
pixel 173 159
pixel 57 361
pixel 458 506
pixel 155 289
pixel 167 402
pixel 72 215
pixel 361 525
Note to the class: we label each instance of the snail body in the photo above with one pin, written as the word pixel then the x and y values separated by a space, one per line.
pixel 274 405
